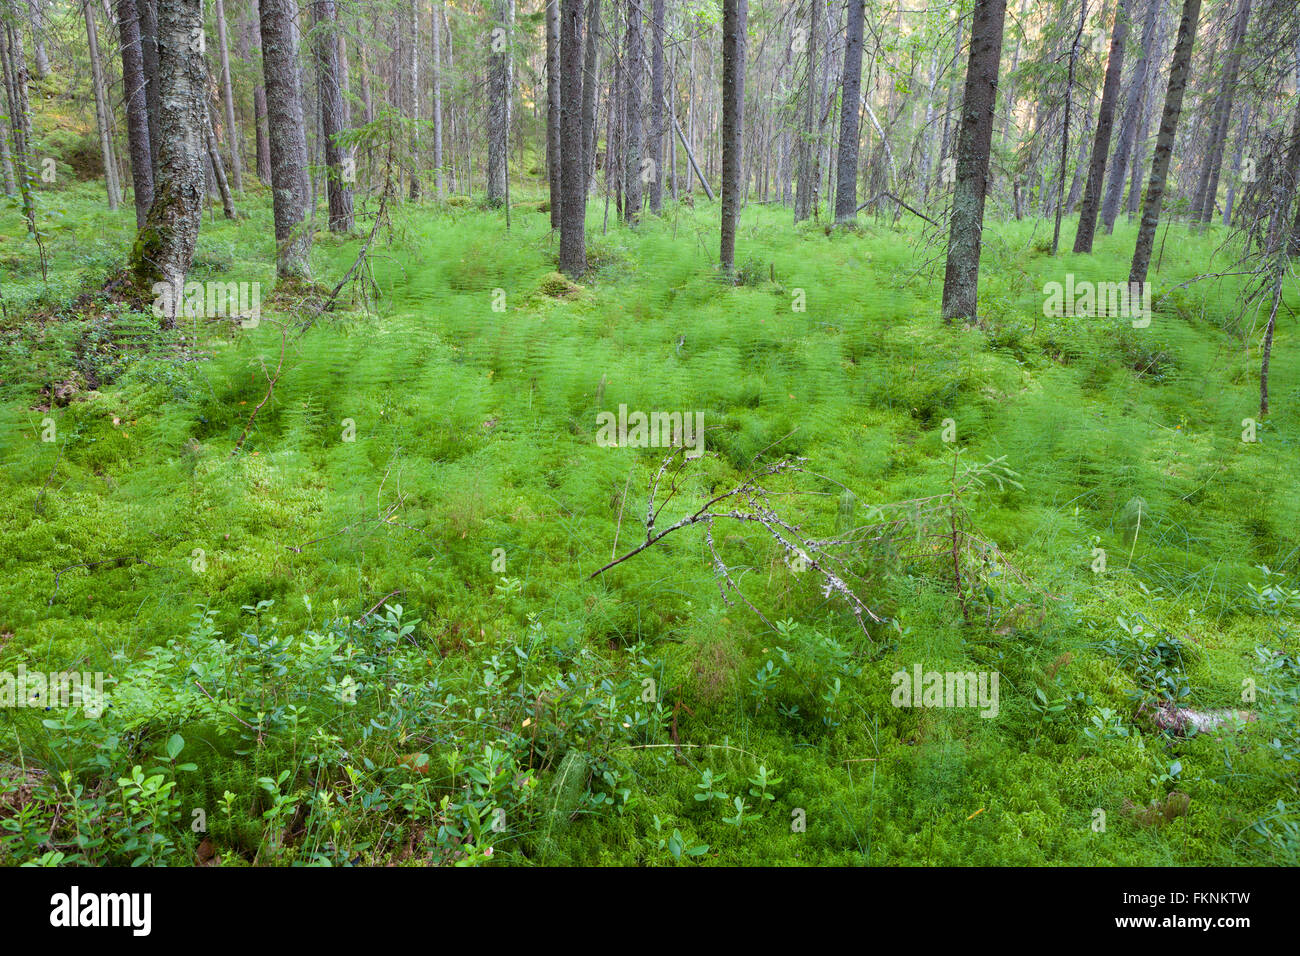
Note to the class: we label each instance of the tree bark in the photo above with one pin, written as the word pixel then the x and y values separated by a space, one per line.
pixel 1208 187
pixel 333 122
pixel 632 73
pixel 1122 154
pixel 164 248
pixel 103 118
pixel 734 14
pixel 974 139
pixel 228 98
pixel 573 186
pixel 553 109
pixel 500 66
pixel 137 109
pixel 1179 71
pixel 806 188
pixel 148 11
pixel 436 29
pixel 413 90
pixel 590 93
pixel 287 139
pixel 655 143
pixel 1101 138
pixel 846 189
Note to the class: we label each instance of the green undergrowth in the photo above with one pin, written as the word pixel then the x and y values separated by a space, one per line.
pixel 366 633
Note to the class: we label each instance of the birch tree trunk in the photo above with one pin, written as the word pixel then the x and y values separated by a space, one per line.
pixel 164 248
pixel 655 143
pixel 413 79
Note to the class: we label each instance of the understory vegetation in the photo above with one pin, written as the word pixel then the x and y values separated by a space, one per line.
pixel 335 567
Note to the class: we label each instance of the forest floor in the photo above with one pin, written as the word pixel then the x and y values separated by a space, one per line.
pixel 439 451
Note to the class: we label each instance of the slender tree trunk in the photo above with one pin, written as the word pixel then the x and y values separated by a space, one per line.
pixel 846 189
pixel 974 140
pixel 1129 126
pixel 590 94
pixel 734 15
pixel 137 110
pixel 573 241
pixel 103 119
pixel 36 15
pixel 164 248
pixel 1101 139
pixel 806 189
pixel 20 121
pixel 499 94
pixel 553 109
pixel 228 98
pixel 436 29
pixel 287 139
pixel 1208 187
pixel 413 79
pixel 216 166
pixel 655 146
pixel 632 117
pixel 330 93
pixel 1065 134
pixel 1179 71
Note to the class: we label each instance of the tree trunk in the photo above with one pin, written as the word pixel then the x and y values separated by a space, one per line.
pixel 974 139
pixel 137 109
pixel 216 166
pixel 164 248
pixel 228 97
pixel 333 123
pixel 1178 74
pixel 436 29
pixel 1101 139
pixel 103 118
pixel 734 14
pixel 413 107
pixel 590 94
pixel 655 145
pixel 148 11
pixel 1131 120
pixel 36 17
pixel 1208 188
pixel 846 189
pixel 632 73
pixel 553 108
pixel 499 94
pixel 1065 134
pixel 287 139
pixel 806 188
pixel 573 187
